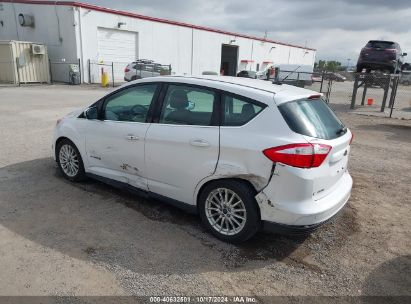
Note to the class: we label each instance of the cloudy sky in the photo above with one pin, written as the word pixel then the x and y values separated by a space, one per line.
pixel 336 28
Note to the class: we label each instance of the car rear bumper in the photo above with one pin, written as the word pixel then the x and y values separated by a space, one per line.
pixel 291 229
pixel 305 214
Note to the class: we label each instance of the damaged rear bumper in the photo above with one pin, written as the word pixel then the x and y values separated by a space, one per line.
pixel 299 217
pixel 292 229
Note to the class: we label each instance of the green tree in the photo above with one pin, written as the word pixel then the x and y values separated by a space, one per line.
pixel 327 66
pixel 332 66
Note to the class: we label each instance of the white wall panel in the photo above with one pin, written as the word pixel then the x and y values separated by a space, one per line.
pixel 188 50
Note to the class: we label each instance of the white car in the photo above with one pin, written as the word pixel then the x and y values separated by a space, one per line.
pixel 248 154
pixel 145 68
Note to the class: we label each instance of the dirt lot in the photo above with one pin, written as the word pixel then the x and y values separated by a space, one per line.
pixel 60 238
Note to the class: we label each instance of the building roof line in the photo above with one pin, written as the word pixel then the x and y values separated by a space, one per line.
pixel 154 19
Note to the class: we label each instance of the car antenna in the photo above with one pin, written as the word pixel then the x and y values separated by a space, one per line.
pixel 291 72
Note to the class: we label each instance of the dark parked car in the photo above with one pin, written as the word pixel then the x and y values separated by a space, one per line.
pixel 381 55
pixel 247 74
pixel 335 77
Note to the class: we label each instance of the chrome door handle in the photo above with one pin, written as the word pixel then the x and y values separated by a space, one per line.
pixel 199 142
pixel 132 137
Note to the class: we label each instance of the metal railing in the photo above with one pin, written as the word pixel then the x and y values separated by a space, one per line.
pixel 320 82
pixel 387 85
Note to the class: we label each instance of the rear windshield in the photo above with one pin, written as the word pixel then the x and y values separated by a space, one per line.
pixel 312 118
pixel 381 45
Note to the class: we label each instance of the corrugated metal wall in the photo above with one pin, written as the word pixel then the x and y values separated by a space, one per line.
pixel 22 66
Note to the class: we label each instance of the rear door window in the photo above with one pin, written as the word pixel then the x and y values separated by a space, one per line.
pixel 312 118
pixel 237 111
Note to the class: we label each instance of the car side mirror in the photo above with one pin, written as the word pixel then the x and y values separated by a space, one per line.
pixel 91 113
pixel 404 54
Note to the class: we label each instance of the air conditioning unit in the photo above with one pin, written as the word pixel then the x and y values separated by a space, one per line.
pixel 38 49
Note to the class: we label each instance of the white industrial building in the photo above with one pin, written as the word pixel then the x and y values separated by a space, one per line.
pixel 77 32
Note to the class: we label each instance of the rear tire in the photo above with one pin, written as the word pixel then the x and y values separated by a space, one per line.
pixel 69 161
pixel 229 210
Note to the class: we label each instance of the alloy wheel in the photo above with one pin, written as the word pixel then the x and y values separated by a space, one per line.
pixel 69 160
pixel 225 211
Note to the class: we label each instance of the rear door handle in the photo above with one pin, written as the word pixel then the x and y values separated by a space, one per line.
pixel 132 137
pixel 199 142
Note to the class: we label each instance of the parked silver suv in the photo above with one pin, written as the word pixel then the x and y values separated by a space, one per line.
pixel 144 68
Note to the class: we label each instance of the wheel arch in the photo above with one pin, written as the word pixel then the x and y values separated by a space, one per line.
pixel 60 139
pixel 233 178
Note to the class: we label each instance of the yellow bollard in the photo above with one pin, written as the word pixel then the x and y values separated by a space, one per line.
pixel 104 79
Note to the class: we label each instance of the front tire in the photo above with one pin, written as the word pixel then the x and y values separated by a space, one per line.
pixel 229 211
pixel 69 161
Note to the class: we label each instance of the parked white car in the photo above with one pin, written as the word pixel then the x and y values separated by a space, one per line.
pixel 145 68
pixel 247 154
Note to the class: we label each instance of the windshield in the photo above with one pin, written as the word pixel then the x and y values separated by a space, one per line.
pixel 312 118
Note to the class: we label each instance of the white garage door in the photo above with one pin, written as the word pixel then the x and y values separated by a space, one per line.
pixel 119 47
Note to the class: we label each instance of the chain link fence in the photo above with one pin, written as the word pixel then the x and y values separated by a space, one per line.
pixel 97 68
pixel 120 72
pixel 66 71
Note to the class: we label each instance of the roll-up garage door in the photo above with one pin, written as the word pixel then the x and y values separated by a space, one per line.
pixel 117 46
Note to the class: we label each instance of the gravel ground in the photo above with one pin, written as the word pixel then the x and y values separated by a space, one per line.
pixel 60 238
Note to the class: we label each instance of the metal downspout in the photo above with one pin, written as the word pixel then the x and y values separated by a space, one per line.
pixel 81 46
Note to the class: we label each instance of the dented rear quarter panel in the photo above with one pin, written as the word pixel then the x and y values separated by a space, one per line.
pixel 241 147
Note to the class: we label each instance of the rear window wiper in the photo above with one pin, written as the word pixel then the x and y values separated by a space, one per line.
pixel 342 130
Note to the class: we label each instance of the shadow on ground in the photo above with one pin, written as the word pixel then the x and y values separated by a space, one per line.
pixel 93 221
pixel 391 278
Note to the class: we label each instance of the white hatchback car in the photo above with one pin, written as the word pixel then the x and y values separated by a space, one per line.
pixel 246 154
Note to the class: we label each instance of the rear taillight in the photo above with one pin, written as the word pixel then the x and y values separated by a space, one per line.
pixel 299 155
pixel 314 96
pixel 363 50
pixel 126 70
